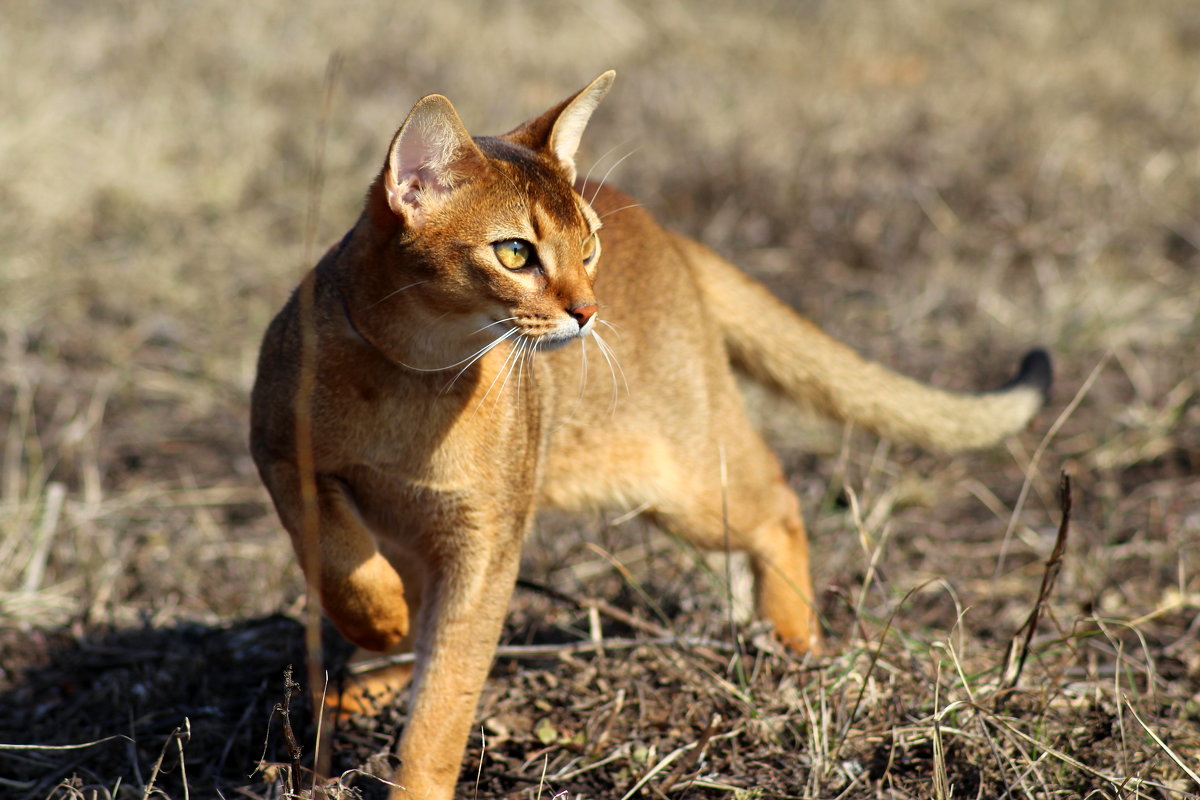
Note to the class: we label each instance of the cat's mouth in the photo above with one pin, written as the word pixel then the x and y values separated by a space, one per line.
pixel 544 338
pixel 557 338
pixel 552 342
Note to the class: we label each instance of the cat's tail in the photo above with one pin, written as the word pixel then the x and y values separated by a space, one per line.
pixel 774 345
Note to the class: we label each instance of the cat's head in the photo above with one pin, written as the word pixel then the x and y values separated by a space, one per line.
pixel 484 237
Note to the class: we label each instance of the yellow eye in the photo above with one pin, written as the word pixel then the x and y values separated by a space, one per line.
pixel 514 253
pixel 590 248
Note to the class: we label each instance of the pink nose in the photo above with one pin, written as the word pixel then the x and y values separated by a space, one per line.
pixel 584 313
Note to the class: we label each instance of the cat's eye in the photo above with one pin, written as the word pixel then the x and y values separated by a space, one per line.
pixel 515 253
pixel 590 248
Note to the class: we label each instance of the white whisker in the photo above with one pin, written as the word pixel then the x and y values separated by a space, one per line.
pixel 527 356
pixel 582 368
pixel 607 153
pixel 518 359
pixel 510 361
pixel 604 180
pixel 606 346
pixel 478 354
pixel 427 326
pixel 490 324
pixel 519 368
pixel 611 325
pixel 393 294
pixel 614 366
pixel 608 214
pixel 435 321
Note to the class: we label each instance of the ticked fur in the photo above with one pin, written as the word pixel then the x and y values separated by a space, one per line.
pixel 449 402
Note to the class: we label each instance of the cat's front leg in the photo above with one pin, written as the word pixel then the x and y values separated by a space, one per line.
pixel 470 579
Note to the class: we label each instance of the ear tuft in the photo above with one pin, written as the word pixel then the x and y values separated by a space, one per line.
pixel 429 155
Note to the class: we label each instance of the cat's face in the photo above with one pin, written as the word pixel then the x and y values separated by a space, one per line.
pixel 512 252
pixel 486 239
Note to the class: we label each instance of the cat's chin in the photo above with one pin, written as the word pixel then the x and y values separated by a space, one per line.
pixel 552 342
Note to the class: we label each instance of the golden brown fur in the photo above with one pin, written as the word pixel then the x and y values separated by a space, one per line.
pixel 430 466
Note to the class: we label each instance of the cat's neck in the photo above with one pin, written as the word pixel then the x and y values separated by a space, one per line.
pixel 399 326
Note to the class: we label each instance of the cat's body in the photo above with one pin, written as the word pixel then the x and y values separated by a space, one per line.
pixel 430 466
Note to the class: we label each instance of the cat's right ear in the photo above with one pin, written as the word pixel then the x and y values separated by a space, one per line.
pixel 429 155
pixel 558 131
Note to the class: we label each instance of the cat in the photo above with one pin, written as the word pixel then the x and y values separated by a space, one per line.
pixel 450 397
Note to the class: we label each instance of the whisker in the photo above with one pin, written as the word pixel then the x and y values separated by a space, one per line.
pixel 435 321
pixel 616 360
pixel 490 324
pixel 427 326
pixel 505 370
pixel 467 361
pixel 473 357
pixel 604 180
pixel 520 370
pixel 613 366
pixel 477 355
pixel 620 369
pixel 393 294
pixel 527 356
pixel 582 368
pixel 607 153
pixel 622 208
pixel 612 408
pixel 612 325
pixel 518 358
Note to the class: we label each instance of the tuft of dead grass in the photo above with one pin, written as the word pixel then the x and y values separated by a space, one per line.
pixel 940 184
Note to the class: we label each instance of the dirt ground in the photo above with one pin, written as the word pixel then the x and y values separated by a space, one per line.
pixel 941 184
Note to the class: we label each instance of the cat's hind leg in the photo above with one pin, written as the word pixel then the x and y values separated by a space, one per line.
pixel 738 498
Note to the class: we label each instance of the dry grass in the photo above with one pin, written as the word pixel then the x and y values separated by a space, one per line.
pixel 941 184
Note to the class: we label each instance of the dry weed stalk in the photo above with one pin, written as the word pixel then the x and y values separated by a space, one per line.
pixel 309 523
pixel 1017 653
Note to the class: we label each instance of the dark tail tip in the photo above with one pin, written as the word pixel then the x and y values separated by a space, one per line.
pixel 1035 372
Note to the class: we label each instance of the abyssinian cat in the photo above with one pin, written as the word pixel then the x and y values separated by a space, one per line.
pixel 448 402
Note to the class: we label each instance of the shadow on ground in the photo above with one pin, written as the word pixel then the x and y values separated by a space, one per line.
pixel 189 705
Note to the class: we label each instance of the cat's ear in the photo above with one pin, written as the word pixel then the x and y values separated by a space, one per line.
pixel 429 155
pixel 558 131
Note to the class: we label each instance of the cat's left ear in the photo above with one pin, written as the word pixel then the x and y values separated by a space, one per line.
pixel 430 154
pixel 559 130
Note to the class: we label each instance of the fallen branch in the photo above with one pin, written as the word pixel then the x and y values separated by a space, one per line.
pixel 540 651
pixel 605 608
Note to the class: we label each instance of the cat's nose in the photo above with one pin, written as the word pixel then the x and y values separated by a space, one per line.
pixel 584 313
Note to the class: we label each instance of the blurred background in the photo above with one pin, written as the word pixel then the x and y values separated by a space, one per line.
pixel 940 184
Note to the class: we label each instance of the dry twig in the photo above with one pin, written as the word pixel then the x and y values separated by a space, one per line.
pixel 1013 672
